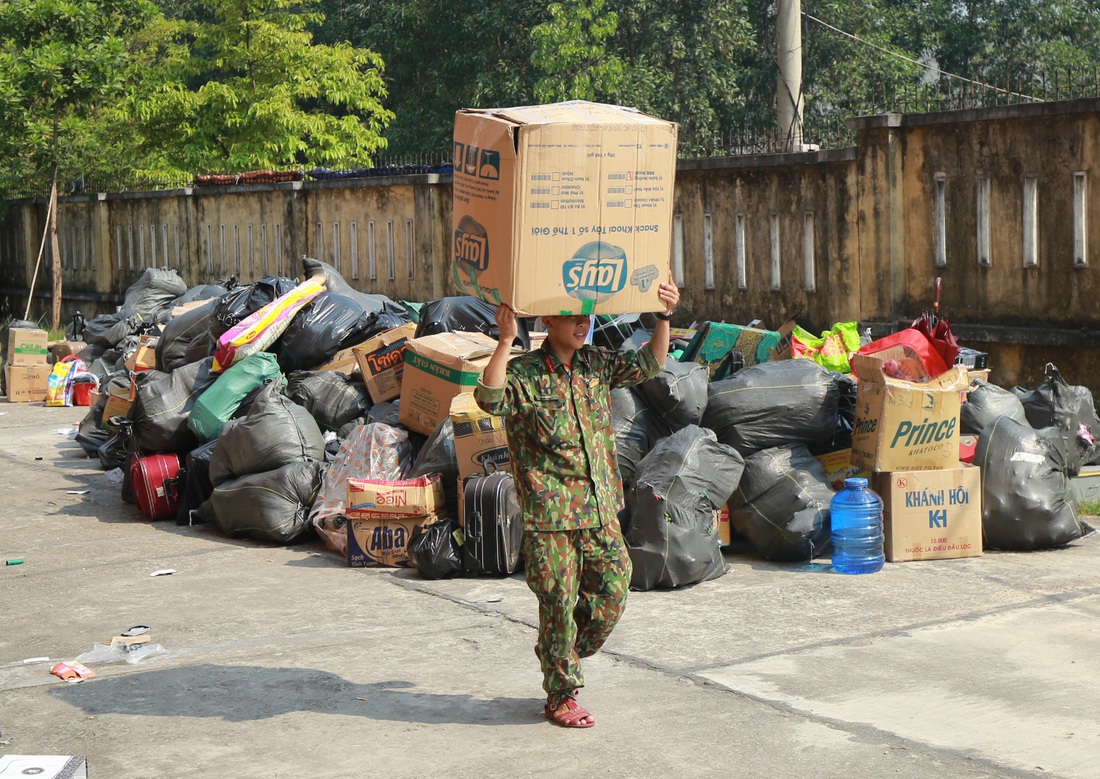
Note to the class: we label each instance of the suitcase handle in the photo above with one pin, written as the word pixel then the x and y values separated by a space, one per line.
pixel 172 486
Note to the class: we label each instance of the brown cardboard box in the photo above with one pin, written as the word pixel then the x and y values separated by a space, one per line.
pixel 377 498
pixel 438 367
pixel 905 425
pixel 27 347
pixel 382 362
pixel 383 541
pixel 144 357
pixel 27 383
pixel 119 402
pixel 342 362
pixel 931 515
pixel 563 208
pixel 481 443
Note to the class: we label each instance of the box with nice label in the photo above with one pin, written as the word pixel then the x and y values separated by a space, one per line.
pixel 563 208
pixel 382 362
pixel 26 346
pixel 905 425
pixel 931 515
pixel 438 367
pixel 481 442
pixel 375 498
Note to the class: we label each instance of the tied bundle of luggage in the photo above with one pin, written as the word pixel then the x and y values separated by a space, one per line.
pixel 281 409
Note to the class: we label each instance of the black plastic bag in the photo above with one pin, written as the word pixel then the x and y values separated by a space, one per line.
pixel 269 506
pixel 1070 409
pixel 275 432
pixel 179 333
pixel 1024 479
pixel 637 428
pixel 239 302
pixel 205 292
pixel 333 398
pixel 678 393
pixel 772 404
pixel 782 504
pixel 984 403
pixel 197 487
pixel 465 313
pixel 328 323
pixel 337 284
pixel 671 533
pixel 437 455
pixel 162 404
pixel 157 289
pixel 108 330
pixel 433 550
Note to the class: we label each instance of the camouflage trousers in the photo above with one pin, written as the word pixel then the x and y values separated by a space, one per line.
pixel 581 578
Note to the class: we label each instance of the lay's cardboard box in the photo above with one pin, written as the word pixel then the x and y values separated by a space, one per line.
pixel 563 208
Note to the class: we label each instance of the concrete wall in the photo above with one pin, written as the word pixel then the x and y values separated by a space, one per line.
pixel 827 236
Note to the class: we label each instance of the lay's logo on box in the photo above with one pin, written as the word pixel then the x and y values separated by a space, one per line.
pixel 597 271
pixel 472 244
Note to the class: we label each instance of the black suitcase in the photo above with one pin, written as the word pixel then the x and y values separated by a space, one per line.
pixel 493 525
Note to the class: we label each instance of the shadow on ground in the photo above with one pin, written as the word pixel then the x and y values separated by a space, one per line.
pixel 247 693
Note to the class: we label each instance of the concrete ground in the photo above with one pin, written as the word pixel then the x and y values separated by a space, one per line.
pixel 282 662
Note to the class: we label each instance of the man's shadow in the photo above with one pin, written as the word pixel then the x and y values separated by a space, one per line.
pixel 245 693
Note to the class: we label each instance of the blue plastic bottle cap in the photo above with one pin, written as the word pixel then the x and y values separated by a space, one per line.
pixel 855 482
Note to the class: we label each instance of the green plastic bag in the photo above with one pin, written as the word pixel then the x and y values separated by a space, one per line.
pixel 831 350
pixel 217 404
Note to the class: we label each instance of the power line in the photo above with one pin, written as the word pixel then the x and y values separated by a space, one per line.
pixel 917 62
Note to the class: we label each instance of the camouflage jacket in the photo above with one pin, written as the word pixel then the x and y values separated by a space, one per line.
pixel 560 435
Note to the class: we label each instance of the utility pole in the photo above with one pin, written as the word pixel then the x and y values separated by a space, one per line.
pixel 788 96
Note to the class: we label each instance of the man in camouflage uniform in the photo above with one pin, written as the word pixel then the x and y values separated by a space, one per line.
pixel 556 405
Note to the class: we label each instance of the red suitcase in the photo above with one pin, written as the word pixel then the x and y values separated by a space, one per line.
pixel 155 480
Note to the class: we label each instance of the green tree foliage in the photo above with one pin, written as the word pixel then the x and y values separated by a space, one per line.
pixel 240 85
pixel 687 60
pixel 442 56
pixel 571 56
pixel 62 62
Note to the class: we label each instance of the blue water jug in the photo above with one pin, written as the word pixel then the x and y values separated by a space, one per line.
pixel 856 514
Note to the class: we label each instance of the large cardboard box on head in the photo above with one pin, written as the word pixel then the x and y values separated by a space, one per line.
pixel 481 442
pixel 438 367
pixel 382 362
pixel 563 208
pixel 931 515
pixel 905 425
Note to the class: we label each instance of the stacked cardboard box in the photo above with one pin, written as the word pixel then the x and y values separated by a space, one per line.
pixel 438 367
pixel 907 434
pixel 383 514
pixel 27 369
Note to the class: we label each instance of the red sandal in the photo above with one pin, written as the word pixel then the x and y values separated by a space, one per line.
pixel 570 715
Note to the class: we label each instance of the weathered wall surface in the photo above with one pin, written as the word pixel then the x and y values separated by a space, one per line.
pixel 997 202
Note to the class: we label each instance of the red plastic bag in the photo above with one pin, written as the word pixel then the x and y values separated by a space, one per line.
pixel 940 336
pixel 910 344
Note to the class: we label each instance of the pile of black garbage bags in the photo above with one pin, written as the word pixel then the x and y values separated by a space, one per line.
pixel 687 446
